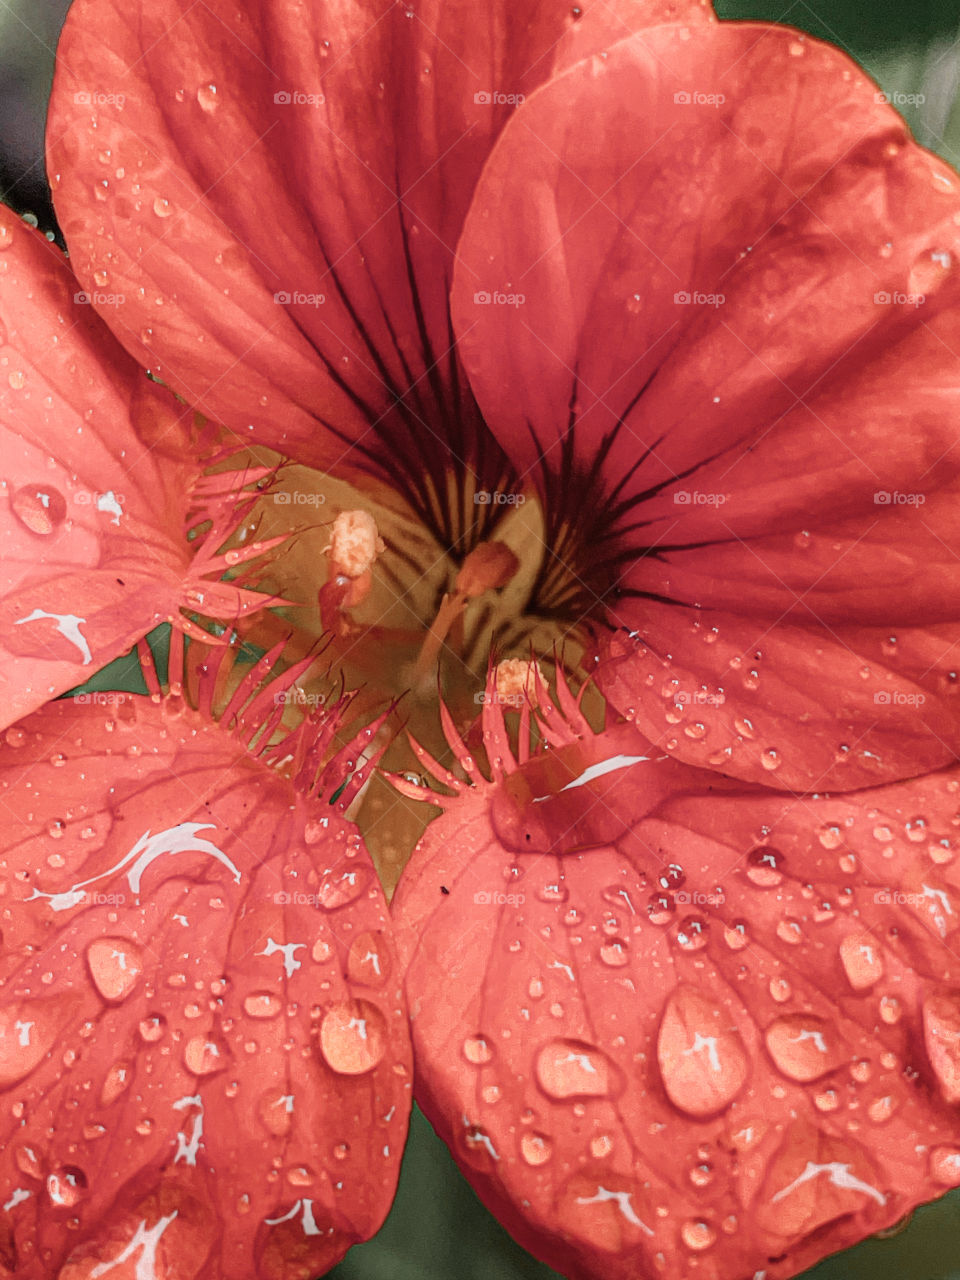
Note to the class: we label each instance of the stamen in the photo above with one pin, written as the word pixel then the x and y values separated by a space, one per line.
pixel 489 566
pixel 516 682
pixel 354 544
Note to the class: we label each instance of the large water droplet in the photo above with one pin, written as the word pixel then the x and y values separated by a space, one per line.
pixel 476 1049
pixel 115 965
pixel 569 1069
pixel 204 1055
pixel 702 1058
pixel 536 1148
pixel 802 1046
pixel 765 866
pixel 368 961
pixel 39 507
pixel 262 1004
pixel 353 1037
pixel 861 958
pixel 66 1186
pixel 698 1235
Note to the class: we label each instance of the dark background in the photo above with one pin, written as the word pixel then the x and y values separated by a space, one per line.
pixel 438 1230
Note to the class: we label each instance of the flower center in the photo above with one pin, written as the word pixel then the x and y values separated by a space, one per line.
pixel 414 609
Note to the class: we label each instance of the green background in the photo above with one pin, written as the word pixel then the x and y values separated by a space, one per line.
pixel 437 1229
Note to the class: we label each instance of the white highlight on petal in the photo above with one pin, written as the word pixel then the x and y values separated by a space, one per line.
pixel 188 1148
pixel 147 1242
pixel 18 1197
pixel 308 1222
pixel 290 963
pixel 108 502
pixel 623 1203
pixel 597 771
pixel 179 839
pixel 709 1043
pixel 840 1176
pixel 68 624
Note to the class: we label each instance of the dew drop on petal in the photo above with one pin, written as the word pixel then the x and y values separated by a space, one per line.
pixel 765 867
pixel 66 1186
pixel 353 1037
pixel 536 1148
pixel 39 507
pixel 802 1046
pixel 697 1235
pixel 204 1055
pixel 275 1111
pixel 116 1082
pixel 567 1069
pixel 945 1166
pixel 477 1050
pixel 115 965
pixel 861 959
pixel 207 98
pixel 262 1004
pixel 701 1055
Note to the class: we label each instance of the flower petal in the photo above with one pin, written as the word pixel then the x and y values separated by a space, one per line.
pixel 665 1021
pixel 310 182
pixel 97 488
pixel 788 706
pixel 204 1050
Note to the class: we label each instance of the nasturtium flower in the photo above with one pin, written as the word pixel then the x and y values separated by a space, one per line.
pixel 607 346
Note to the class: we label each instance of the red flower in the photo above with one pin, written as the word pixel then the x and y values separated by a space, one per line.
pixel 673 303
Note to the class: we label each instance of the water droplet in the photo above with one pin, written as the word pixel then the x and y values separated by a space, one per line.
pixel 67 1185
pixel 770 759
pixel 601 1146
pixel 6 235
pixel 661 908
pixel 536 1148
pixel 802 1046
pixel 116 1082
pixel 207 97
pixel 568 1069
pixel 780 990
pixel 615 953
pixel 765 866
pixel 115 965
pixel 353 1037
pixel 262 1004
pixel 692 933
pixel 275 1111
pixel 697 1235
pixel 701 1175
pixel 790 931
pixel 861 959
pixel 700 1053
pixel 477 1050
pixel 881 1109
pixel 735 935
pixel 152 1028
pixel 39 507
pixel 891 1010
pixel 945 1166
pixel 162 207
pixel 204 1055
